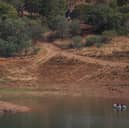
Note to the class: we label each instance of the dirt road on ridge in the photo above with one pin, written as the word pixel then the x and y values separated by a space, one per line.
pixel 53 50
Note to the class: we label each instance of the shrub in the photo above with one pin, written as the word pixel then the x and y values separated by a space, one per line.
pixel 123 31
pixel 110 33
pixel 15 3
pixel 95 40
pixel 126 26
pixel 7 49
pixel 74 28
pixel 124 9
pixel 64 28
pixel 16 36
pixel 77 42
pixel 60 25
pixel 78 12
pixel 7 10
pixel 52 8
pixel 102 16
pixel 122 2
pixel 34 28
pixel 81 11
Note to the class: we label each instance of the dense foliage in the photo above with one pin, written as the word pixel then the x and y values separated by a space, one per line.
pixel 96 40
pixel 103 17
pixel 7 10
pixel 108 17
pixel 16 34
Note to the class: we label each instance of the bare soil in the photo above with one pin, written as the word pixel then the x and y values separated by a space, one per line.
pixel 87 71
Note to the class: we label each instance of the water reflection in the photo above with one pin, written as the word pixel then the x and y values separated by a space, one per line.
pixel 65 112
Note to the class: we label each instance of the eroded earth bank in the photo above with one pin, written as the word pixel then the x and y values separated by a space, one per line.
pixel 100 72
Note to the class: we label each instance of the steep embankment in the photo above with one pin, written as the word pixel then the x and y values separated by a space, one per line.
pixel 57 70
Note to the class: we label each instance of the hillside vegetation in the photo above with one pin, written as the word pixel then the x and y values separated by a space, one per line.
pixel 47 48
pixel 23 22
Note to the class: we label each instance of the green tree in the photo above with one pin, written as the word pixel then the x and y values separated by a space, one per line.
pixel 7 10
pixel 60 25
pixel 102 17
pixel 122 2
pixel 15 3
pixel 74 28
pixel 16 35
pixel 52 8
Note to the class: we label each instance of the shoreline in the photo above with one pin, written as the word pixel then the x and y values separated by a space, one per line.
pixel 54 71
pixel 7 107
pixel 87 92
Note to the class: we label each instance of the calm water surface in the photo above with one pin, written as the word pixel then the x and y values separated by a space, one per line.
pixel 66 112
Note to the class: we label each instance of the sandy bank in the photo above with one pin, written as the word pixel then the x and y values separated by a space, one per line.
pixel 12 108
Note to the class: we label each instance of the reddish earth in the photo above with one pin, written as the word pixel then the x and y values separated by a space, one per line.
pixel 58 71
pixel 12 108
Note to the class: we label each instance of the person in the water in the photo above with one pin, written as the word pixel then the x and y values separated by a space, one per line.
pixel 120 107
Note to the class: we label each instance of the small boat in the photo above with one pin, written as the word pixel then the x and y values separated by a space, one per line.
pixel 120 107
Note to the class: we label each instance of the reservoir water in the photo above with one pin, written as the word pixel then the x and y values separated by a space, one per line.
pixel 66 112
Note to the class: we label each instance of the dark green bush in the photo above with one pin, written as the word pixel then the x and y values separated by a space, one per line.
pixel 122 2
pixel 124 9
pixel 7 10
pixel 16 36
pixel 77 42
pixel 51 9
pixel 15 3
pixel 61 26
pixel 34 28
pixel 97 40
pixel 110 33
pixel 6 48
pixel 104 18
pixel 74 28
pixel 123 31
pixel 79 11
pixel 101 16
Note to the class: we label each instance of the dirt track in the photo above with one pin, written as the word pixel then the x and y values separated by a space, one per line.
pixel 56 69
pixel 53 51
